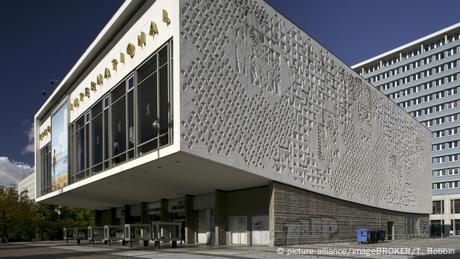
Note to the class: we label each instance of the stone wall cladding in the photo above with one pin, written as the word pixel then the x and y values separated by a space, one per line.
pixel 258 94
pixel 303 217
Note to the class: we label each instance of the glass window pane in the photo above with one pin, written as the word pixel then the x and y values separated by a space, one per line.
pixel 148 146
pixel 131 83
pixel 46 169
pixel 118 130
pixel 106 137
pixel 164 101
pixel 106 102
pixel 457 207
pixel 163 56
pixel 87 146
pixel 130 120
pixel 147 109
pixel 80 122
pixel 147 69
pixel 80 154
pixel 97 142
pixel 118 92
pixel 97 108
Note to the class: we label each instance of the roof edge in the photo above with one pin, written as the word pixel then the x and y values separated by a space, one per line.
pixel 407 45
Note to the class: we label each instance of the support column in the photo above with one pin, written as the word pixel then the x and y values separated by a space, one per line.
pixel 271 213
pixel 113 216
pixel 126 215
pixel 220 217
pixel 454 229
pixel 164 214
pixel 97 219
pixel 190 220
pixel 144 215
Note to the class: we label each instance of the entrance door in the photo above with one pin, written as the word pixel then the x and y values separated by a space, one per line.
pixel 260 233
pixel 238 228
pixel 204 226
pixel 157 232
pixel 390 229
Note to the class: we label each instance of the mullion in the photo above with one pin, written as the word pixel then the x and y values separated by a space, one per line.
pixel 107 120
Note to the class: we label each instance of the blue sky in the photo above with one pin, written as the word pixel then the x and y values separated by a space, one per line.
pixel 41 41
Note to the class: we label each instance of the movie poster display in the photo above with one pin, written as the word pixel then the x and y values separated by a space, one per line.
pixel 59 148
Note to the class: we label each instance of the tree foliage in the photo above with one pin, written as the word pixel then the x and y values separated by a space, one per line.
pixel 21 219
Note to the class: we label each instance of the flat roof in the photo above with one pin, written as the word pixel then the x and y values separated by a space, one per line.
pixel 407 45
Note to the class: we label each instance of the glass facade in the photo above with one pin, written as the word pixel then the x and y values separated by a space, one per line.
pixel 45 156
pixel 133 119
pixel 455 206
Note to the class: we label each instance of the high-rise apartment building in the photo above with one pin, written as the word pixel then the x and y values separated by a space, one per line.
pixel 423 78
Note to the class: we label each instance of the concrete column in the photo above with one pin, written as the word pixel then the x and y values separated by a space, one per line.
pixel 126 219
pixel 97 219
pixel 220 217
pixel 271 213
pixel 113 216
pixel 164 214
pixel 453 227
pixel 144 215
pixel 190 227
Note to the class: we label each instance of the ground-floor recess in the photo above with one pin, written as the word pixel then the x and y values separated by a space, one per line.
pixel 275 214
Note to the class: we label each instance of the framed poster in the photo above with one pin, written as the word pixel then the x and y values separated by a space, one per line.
pixel 59 148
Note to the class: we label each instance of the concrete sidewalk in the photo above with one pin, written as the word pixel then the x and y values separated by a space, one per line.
pixel 448 247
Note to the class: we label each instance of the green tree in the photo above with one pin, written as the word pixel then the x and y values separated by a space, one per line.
pixel 21 219
pixel 18 218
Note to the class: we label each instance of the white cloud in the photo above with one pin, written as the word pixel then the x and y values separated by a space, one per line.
pixel 30 144
pixel 12 172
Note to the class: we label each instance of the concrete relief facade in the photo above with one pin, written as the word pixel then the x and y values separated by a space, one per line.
pixel 259 94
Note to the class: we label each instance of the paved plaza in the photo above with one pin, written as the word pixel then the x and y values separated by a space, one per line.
pixel 436 248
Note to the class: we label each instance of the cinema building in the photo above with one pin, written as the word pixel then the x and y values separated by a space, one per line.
pixel 226 119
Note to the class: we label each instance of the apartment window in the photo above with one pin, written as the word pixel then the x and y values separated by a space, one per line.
pixel 455 206
pixel 438 207
pixel 45 157
pixel 132 119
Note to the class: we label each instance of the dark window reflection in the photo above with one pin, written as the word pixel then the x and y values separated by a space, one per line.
pixel 131 120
